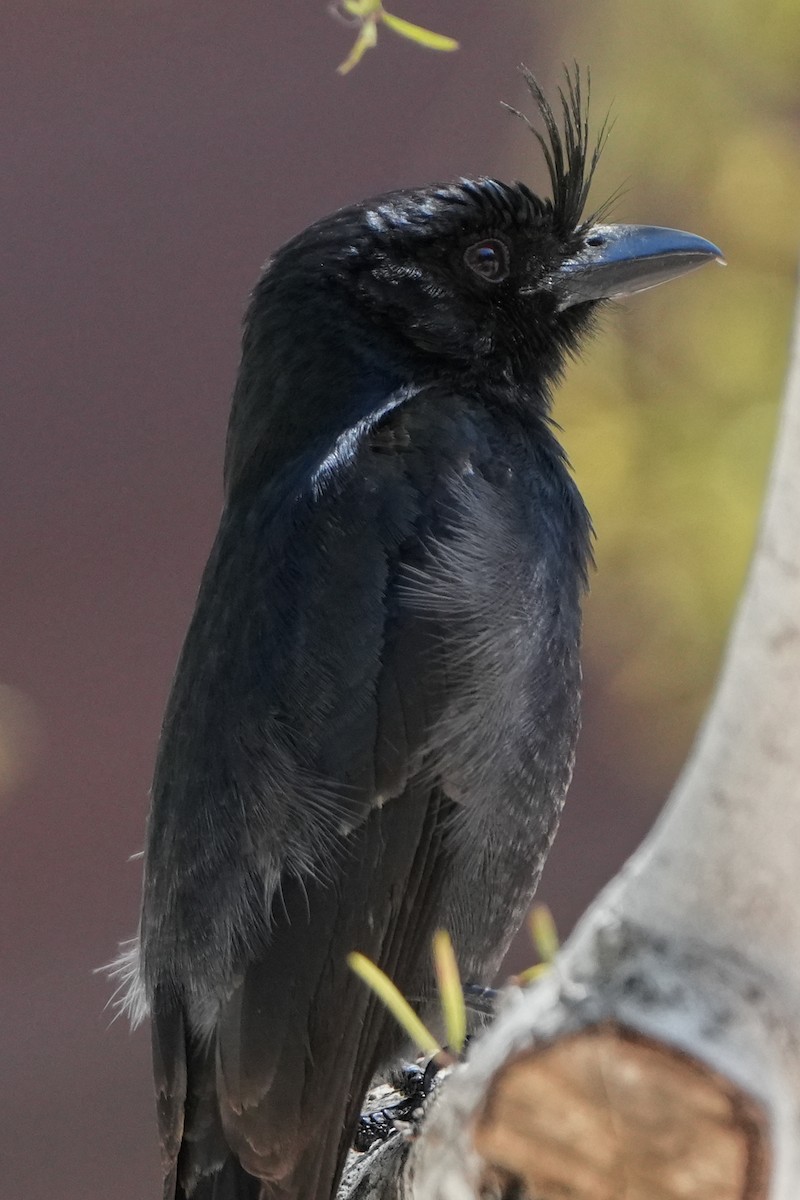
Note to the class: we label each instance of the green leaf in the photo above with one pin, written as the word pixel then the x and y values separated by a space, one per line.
pixel 361 8
pixel 544 933
pixel 367 38
pixel 531 973
pixel 415 33
pixel 394 1000
pixel 451 993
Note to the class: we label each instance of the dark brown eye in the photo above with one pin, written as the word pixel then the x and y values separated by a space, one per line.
pixel 488 259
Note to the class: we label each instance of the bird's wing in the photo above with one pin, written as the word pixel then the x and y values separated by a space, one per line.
pixel 358 681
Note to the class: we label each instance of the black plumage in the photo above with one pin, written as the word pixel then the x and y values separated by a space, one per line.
pixel 373 720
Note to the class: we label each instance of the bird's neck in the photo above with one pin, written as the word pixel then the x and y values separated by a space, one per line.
pixel 311 372
pixel 297 392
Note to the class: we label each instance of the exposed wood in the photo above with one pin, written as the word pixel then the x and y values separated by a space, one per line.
pixel 660 1058
pixel 609 1115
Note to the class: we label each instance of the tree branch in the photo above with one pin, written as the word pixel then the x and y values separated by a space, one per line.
pixel 660 1059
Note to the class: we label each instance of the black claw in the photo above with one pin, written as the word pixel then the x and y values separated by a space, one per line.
pixel 406 1078
pixel 428 1075
pixel 415 1085
pixel 373 1127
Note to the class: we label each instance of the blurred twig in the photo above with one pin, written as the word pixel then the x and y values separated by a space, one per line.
pixel 367 15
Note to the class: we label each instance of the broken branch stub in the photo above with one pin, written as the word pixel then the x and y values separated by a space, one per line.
pixel 660 1059
pixel 608 1113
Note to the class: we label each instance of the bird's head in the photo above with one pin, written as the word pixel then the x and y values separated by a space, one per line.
pixel 486 274
pixel 479 277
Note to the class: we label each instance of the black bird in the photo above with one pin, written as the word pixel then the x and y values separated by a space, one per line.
pixel 373 720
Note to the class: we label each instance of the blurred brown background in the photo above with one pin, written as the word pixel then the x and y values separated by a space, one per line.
pixel 153 155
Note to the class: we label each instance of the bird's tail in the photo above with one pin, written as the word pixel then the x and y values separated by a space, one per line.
pixel 278 1087
pixel 230 1182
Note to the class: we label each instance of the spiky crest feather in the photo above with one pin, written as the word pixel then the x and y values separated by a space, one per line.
pixel 570 157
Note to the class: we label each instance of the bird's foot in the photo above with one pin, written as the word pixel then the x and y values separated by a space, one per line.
pixel 415 1085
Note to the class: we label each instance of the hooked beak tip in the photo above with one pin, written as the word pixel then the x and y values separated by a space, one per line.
pixel 619 260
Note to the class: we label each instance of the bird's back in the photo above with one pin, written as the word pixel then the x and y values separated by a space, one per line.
pixel 370 735
pixel 373 720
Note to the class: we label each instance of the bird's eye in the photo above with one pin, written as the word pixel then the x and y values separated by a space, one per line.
pixel 489 260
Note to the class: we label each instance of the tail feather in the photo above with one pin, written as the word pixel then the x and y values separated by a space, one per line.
pixel 229 1182
pixel 266 1109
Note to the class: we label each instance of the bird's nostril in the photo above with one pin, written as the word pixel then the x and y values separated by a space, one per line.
pixel 596 239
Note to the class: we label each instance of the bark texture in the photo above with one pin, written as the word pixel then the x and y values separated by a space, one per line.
pixel 660 1058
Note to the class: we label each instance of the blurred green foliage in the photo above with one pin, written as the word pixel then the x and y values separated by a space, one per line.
pixel 670 417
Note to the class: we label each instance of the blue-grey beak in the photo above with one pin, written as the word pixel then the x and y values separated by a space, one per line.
pixel 618 260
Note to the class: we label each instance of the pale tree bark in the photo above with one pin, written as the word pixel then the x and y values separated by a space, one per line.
pixel 660 1058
